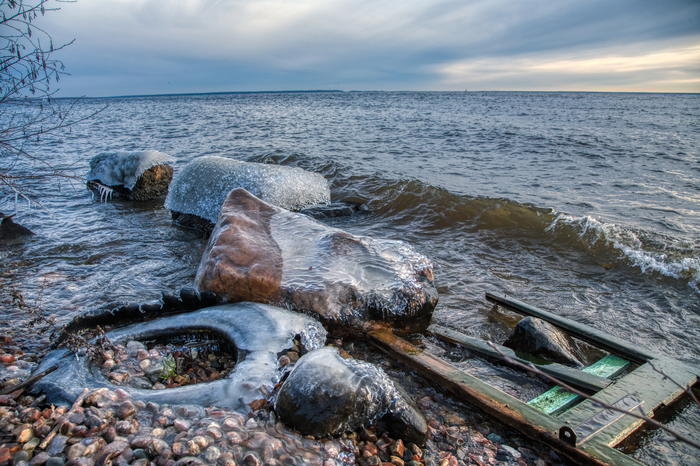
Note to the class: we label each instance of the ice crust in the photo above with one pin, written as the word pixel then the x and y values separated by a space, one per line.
pixel 259 332
pixel 323 379
pixel 124 168
pixel 203 185
pixel 382 271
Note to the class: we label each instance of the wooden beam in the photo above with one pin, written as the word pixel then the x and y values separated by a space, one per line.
pixel 510 410
pixel 586 333
pixel 588 382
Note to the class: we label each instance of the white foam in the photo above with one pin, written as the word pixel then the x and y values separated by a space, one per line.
pixel 124 168
pixel 202 186
pixel 630 245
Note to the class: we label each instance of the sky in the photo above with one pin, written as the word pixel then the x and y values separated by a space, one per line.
pixel 144 47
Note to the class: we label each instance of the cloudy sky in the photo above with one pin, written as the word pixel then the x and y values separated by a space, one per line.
pixel 136 47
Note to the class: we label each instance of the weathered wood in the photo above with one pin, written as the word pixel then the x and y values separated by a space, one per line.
pixel 78 402
pixel 557 400
pixel 510 410
pixel 584 332
pixel 645 384
pixel 29 381
pixel 584 380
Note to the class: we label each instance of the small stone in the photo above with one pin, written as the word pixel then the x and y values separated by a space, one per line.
pixel 283 361
pixel 368 436
pixel 57 444
pixel 212 454
pixel 76 450
pixel 55 461
pixel 40 459
pixel 31 444
pixel 25 435
pixel 397 448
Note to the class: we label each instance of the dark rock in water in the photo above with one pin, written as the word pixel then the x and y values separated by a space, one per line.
pixel 193 222
pixel 11 232
pixel 540 338
pixel 258 331
pixel 140 176
pixel 332 210
pixel 259 252
pixel 326 394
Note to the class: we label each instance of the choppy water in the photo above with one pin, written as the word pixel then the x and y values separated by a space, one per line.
pixel 584 204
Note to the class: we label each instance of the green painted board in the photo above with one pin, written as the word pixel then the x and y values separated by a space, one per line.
pixel 587 381
pixel 557 400
pixel 644 384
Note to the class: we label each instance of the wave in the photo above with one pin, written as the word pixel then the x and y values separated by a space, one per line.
pixel 652 253
pixel 421 210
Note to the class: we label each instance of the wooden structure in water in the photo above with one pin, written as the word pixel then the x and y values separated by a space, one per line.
pixel 575 426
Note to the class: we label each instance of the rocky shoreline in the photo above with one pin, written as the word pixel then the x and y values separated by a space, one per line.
pixel 110 427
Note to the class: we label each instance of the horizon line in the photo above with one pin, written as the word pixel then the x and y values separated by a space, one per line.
pixel 466 91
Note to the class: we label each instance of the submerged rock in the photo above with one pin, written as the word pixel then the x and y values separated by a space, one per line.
pixel 11 232
pixel 202 186
pixel 257 331
pixel 327 395
pixel 258 252
pixel 540 338
pixel 140 176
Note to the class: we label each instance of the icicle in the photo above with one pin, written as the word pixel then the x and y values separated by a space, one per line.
pixel 105 192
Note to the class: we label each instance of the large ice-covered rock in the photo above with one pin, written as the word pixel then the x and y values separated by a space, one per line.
pixel 259 252
pixel 258 331
pixel 202 186
pixel 326 394
pixel 137 175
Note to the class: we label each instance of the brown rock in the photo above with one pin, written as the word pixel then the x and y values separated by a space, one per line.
pixel 153 183
pixel 258 252
pixel 242 262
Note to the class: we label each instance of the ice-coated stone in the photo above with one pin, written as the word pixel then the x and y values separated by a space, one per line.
pixel 202 186
pixel 258 252
pixel 258 331
pixel 138 175
pixel 326 394
pixel 540 338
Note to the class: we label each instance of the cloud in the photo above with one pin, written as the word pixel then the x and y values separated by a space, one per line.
pixel 371 44
pixel 668 68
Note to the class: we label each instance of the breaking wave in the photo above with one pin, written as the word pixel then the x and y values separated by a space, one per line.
pixel 651 253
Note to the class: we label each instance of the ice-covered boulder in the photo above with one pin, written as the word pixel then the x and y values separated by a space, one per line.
pixel 326 394
pixel 257 331
pixel 137 175
pixel 540 338
pixel 259 252
pixel 202 186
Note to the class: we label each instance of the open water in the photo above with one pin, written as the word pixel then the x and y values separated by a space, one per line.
pixel 584 204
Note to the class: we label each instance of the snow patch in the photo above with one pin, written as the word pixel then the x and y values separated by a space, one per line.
pixel 124 168
pixel 202 186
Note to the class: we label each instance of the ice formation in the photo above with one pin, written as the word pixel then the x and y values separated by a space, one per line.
pixel 124 168
pixel 327 394
pixel 258 252
pixel 258 331
pixel 202 186
pixel 105 192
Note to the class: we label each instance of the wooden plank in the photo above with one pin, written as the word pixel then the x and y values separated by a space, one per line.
pixel 557 400
pixel 585 380
pixel 531 422
pixel 645 384
pixel 586 333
